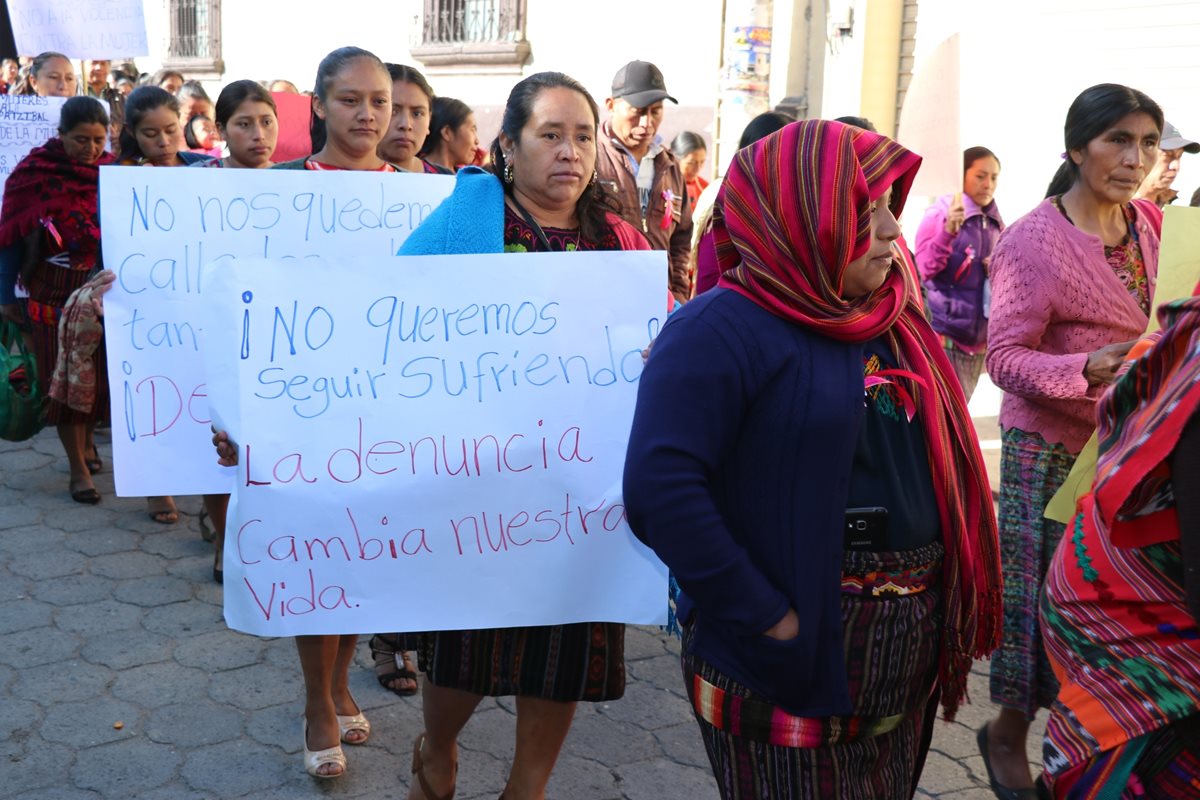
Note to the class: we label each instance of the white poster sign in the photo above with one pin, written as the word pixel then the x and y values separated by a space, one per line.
pixel 931 123
pixel 167 232
pixel 447 428
pixel 80 28
pixel 26 122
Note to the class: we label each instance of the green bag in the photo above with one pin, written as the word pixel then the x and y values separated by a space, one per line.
pixel 22 407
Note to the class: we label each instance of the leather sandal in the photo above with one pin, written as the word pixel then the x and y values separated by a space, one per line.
pixel 315 759
pixel 392 665
pixel 418 770
pixel 162 510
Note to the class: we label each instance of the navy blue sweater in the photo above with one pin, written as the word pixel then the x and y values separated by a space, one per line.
pixel 737 476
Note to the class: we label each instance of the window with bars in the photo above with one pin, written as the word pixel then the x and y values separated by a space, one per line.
pixel 464 34
pixel 195 43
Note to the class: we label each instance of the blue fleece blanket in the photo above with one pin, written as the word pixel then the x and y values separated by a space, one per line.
pixel 470 220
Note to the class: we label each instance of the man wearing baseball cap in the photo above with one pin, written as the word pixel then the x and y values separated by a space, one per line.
pixel 1171 147
pixel 640 171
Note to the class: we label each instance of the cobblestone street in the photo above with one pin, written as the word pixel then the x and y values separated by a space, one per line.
pixel 118 678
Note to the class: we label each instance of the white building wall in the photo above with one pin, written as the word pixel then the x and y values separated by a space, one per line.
pixel 841 94
pixel 268 39
pixel 1024 62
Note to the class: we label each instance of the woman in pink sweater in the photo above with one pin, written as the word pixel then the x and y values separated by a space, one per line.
pixel 1072 284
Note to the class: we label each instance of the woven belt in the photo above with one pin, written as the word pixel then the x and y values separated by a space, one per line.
pixel 767 723
pixel 40 312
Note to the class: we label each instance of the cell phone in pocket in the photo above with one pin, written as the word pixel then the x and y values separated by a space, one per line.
pixel 866 529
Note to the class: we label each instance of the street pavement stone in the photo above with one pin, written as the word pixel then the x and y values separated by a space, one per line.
pixel 118 678
pixel 130 649
pixel 80 589
pixel 37 646
pixel 195 723
pixel 20 615
pixel 88 723
pixel 106 616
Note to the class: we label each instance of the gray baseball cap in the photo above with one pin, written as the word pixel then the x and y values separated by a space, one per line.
pixel 640 84
pixel 1172 139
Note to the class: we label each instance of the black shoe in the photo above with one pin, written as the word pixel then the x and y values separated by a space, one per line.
pixel 1002 792
pixel 87 496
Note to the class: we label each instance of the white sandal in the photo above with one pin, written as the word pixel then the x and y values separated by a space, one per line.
pixel 315 759
pixel 350 723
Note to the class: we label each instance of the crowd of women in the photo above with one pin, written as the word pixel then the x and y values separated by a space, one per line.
pixel 801 455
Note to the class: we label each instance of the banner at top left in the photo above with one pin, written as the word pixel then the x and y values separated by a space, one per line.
pixel 80 28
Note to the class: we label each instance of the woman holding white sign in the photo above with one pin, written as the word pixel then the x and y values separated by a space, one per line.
pixel 51 75
pixel 352 107
pixel 153 137
pixel 248 122
pixel 546 200
pixel 825 508
pixel 412 103
pixel 412 100
pixel 49 226
pixel 153 133
pixel 954 252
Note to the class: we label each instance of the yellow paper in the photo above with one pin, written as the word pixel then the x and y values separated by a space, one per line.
pixel 1179 259
pixel 1178 274
pixel 1062 506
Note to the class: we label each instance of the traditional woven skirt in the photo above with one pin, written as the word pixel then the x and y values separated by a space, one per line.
pixel 1164 765
pixel 43 322
pixel 1031 471
pixel 967 366
pixel 891 618
pixel 583 661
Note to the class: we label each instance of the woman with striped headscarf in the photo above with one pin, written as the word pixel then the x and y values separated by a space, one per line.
pixel 802 458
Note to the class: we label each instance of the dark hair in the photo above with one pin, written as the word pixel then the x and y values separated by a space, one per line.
pixel 25 84
pixel 189 136
pixel 973 154
pixel 443 112
pixel 407 74
pixel 1195 201
pixel 858 122
pixel 81 111
pixel 193 90
pixel 763 125
pixel 327 70
pixel 157 78
pixel 237 93
pixel 595 202
pixel 687 142
pixel 142 101
pixel 1094 111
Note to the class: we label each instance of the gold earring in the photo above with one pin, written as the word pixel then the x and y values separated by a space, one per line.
pixel 595 177
pixel 508 171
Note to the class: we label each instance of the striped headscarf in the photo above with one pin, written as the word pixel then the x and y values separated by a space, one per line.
pixel 793 213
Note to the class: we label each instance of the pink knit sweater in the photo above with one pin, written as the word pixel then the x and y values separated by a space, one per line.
pixel 1055 300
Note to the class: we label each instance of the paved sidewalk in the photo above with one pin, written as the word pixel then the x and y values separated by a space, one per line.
pixel 118 678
